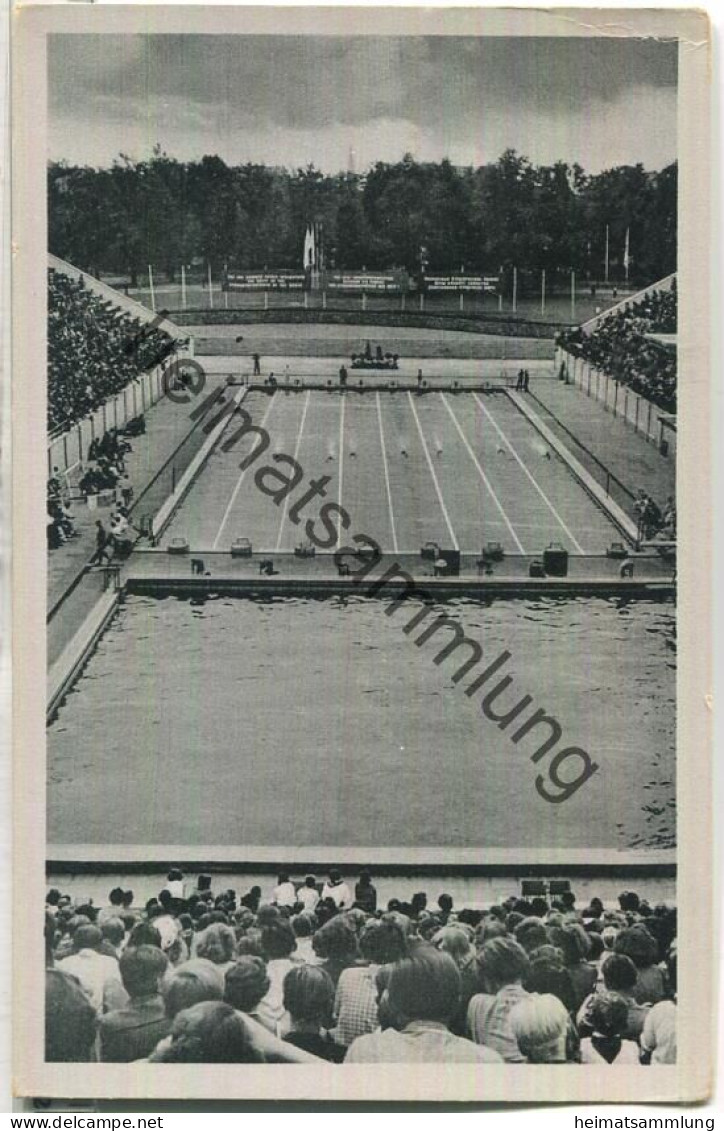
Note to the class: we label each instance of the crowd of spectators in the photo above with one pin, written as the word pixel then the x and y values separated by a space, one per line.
pixel 620 347
pixel 105 470
pixel 94 349
pixel 320 972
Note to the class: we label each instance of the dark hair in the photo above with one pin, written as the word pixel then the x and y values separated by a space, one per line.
pixel 573 940
pixel 246 983
pixel 144 934
pixel 638 944
pixel 210 1033
pixel 609 1014
pixel 619 973
pixel 53 897
pixel 425 985
pixel 596 942
pixel 445 903
pixel 142 968
pixel 501 962
pixel 336 939
pixel 174 874
pixel 629 901
pixel 531 934
pixel 304 924
pixel 278 939
pixel 309 994
pixel 283 878
pixel 383 940
pixel 70 1019
pixel 539 906
pixel 310 882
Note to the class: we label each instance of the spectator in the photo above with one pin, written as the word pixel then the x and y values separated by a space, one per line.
pixel 336 944
pixel 456 942
pixel 70 1019
pixel 619 977
pixel 97 973
pixel 606 1045
pixel 638 944
pixel 308 999
pixel 209 1033
pixel 132 1032
pixel 337 890
pixel 502 967
pixel 114 934
pixel 658 1038
pixel 548 975
pixel 572 939
pixel 245 987
pixel 218 945
pixel 422 995
pixel 382 941
pixel 540 1025
pixel 304 925
pixel 279 944
pixel 195 981
pixel 285 894
pixel 308 895
pixel 365 893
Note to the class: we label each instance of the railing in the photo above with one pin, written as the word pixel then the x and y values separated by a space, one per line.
pixel 618 399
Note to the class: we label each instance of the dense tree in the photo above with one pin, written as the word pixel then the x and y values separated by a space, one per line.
pixel 507 214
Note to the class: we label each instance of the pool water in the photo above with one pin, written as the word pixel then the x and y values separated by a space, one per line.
pixel 294 722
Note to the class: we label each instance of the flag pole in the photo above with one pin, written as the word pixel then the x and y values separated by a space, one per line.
pixel 543 291
pixel 150 287
pixel 626 254
pixel 211 291
pixel 515 289
pixel 606 260
pixel 183 287
pixel 573 296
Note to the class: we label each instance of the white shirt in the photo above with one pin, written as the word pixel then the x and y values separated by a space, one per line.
pixel 309 897
pixel 285 895
pixel 340 893
pixel 96 973
pixel 427 1042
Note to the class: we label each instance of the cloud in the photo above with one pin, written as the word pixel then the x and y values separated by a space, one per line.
pixel 276 95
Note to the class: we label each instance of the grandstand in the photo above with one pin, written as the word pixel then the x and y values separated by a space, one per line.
pixel 623 343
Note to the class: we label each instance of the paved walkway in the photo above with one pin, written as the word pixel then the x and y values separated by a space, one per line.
pixel 167 426
pixel 634 461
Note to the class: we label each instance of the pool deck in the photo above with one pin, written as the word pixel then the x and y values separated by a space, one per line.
pixel 157 571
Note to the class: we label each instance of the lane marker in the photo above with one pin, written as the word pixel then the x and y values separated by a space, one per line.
pixel 443 508
pixel 483 476
pixel 236 490
pixel 519 461
pixel 343 399
pixel 387 474
pixel 296 453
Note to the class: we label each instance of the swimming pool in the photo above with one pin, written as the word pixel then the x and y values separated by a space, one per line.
pixel 292 723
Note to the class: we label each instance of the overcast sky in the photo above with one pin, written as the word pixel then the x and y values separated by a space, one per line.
pixel 286 100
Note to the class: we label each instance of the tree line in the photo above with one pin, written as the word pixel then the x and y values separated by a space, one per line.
pixel 408 215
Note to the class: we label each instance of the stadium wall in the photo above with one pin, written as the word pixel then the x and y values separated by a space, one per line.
pixel 502 325
pixel 643 415
pixel 69 448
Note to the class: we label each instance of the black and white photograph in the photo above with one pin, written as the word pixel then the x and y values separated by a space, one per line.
pixel 357 359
